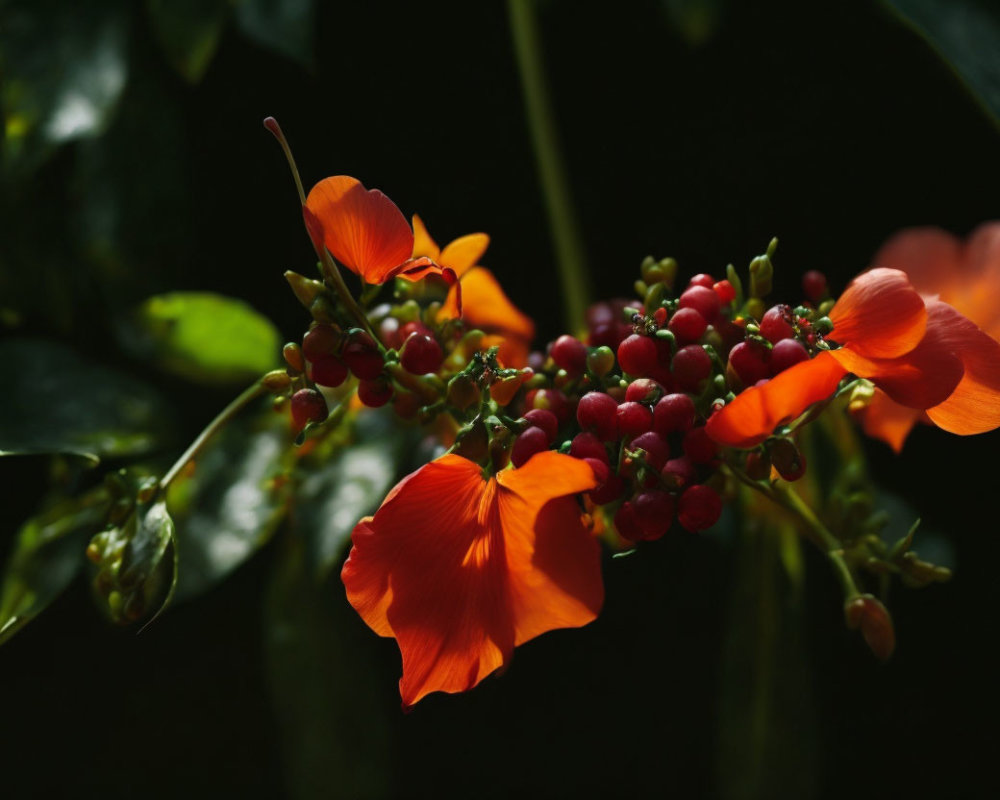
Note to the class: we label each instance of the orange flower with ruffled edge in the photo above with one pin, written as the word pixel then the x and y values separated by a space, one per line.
pixel 484 303
pixel 921 352
pixel 462 569
pixel 965 275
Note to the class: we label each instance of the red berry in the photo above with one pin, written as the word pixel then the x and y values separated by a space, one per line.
pixel 776 325
pixel 814 285
pixel 687 325
pixel 787 353
pixel 307 406
pixel 551 400
pixel 531 441
pixel 421 354
pixel 758 465
pixel 625 523
pixel 609 335
pixel 644 390
pixel 653 511
pixel 320 341
pixel 691 366
pixel 545 420
pixel 660 315
pixel 702 279
pixel 389 333
pixel 600 314
pixel 699 508
pixel 698 447
pixel 679 472
pixel 750 362
pixel 362 356
pixel 609 491
pixel 787 459
pixel 634 418
pixel 725 291
pixel 703 300
pixel 409 328
pixel 597 411
pixel 601 471
pixel 586 445
pixel 377 393
pixel 637 355
pixel 674 412
pixel 656 447
pixel 570 354
pixel 328 371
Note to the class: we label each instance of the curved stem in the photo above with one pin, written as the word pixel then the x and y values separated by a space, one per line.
pixel 332 274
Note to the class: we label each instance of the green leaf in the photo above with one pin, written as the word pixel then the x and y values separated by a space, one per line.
pixel 64 66
pixel 55 401
pixel 46 557
pixel 966 34
pixel 204 337
pixel 284 26
pixel 189 32
pixel 233 501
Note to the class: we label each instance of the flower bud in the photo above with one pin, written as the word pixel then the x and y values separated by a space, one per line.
pixel 463 392
pixel 306 289
pixel 867 613
pixel 276 381
pixel 787 459
pixel 601 361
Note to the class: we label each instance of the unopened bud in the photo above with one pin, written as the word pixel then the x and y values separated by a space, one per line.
pixel 306 289
pixel 867 613
pixel 463 392
pixel 669 267
pixel 293 357
pixel 473 442
pixel 276 381
pixel 601 361
pixel 787 459
pixel 734 279
pixel 761 276
pixel 640 288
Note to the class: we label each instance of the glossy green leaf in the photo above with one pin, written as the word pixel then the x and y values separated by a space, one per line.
pixel 233 501
pixel 966 34
pixel 204 337
pixel 55 401
pixel 284 26
pixel 64 67
pixel 189 32
pixel 47 555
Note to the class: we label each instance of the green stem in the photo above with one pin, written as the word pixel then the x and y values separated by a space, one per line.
pixel 332 274
pixel 562 221
pixel 230 411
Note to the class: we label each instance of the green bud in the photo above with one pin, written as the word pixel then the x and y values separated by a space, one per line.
pixel 826 307
pixel 276 381
pixel 306 289
pixel 601 361
pixel 823 325
pixel 463 392
pixel 734 279
pixel 669 267
pixel 761 276
pixel 755 308
pixel 293 357
pixel 472 441
pixel 647 264
pixel 640 288
pixel 655 296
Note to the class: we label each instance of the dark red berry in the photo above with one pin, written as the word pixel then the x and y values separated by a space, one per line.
pixel 601 470
pixel 389 333
pixel 653 511
pixel 634 418
pixel 609 491
pixel 551 400
pixel 625 523
pixel 674 412
pixel 687 325
pixel 320 341
pixel 750 362
pixel 699 508
pixel 377 393
pixel 637 355
pixel 703 300
pixel 586 445
pixel 570 354
pixel 597 412
pixel 679 472
pixel 361 354
pixel 421 354
pixel 691 366
pixel 725 291
pixel 609 335
pixel 787 353
pixel 776 324
pixel 545 420
pixel 814 285
pixel 758 465
pixel 698 447
pixel 409 328
pixel 787 459
pixel 644 390
pixel 656 447
pixel 307 406
pixel 702 279
pixel 531 441
pixel 328 371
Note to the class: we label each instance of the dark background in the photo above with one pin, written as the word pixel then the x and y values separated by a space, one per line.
pixel 828 125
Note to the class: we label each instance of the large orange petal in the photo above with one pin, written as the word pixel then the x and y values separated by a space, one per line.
pixel 423 244
pixel 929 256
pixel 429 568
pixel 975 290
pixel 879 315
pixel 554 561
pixel 363 229
pixel 757 411
pixel 464 253
pixel 974 406
pixel 887 420
pixel 485 306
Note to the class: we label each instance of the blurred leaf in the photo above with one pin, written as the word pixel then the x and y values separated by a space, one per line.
pixel 233 501
pixel 64 66
pixel 966 34
pixel 333 711
pixel 695 20
pixel 189 32
pixel 204 337
pixel 285 26
pixel 46 556
pixel 55 401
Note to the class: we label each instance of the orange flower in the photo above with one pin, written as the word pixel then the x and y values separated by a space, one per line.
pixel 922 353
pixel 966 276
pixel 460 570
pixel 484 303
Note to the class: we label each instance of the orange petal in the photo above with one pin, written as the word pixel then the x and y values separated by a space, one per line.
pixel 757 411
pixel 464 253
pixel 363 229
pixel 887 420
pixel 513 350
pixel 485 306
pixel 423 244
pixel 974 290
pixel 974 406
pixel 553 559
pixel 879 315
pixel 929 256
